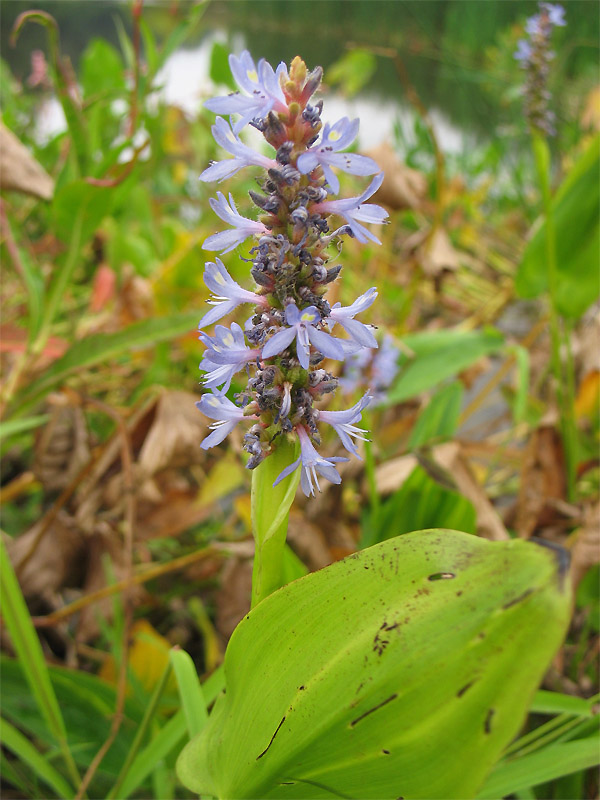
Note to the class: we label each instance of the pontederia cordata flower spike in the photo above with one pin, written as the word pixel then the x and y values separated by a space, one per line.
pixel 291 330
pixel 401 672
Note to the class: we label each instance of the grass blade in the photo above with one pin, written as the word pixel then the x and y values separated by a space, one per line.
pixel 141 731
pixel 31 657
pixel 547 765
pixel 169 736
pixel 14 740
pixel 190 691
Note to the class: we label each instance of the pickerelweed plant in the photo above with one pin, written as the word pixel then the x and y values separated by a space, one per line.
pixel 285 342
pixel 535 56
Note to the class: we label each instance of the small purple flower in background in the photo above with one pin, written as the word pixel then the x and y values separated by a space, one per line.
pixel 535 56
pixel 288 336
pixel 325 154
pixel 354 210
pixel 373 368
pixel 242 227
pixel 226 414
pixel 243 156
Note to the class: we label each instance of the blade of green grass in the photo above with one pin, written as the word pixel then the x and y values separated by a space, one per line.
pixel 190 691
pixel 141 732
pixel 546 765
pixel 14 740
pixel 556 703
pixel 31 657
pixel 102 347
pixel 169 736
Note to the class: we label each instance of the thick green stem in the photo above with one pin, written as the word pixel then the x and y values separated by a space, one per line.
pixel 270 513
pixel 564 379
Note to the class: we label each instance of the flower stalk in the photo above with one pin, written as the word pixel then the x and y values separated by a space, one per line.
pixel 535 56
pixel 293 329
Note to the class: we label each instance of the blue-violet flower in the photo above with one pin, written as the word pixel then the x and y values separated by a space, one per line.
pixel 288 336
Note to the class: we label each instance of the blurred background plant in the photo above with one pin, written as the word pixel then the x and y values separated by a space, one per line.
pixel 126 538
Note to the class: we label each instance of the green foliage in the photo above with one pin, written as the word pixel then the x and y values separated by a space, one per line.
pixel 353 71
pixel 438 421
pixel 427 498
pixel 576 211
pixel 439 355
pixel 29 652
pixel 382 667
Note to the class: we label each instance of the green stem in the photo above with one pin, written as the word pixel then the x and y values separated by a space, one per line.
pixel 270 514
pixel 370 468
pixel 141 731
pixel 59 284
pixel 542 160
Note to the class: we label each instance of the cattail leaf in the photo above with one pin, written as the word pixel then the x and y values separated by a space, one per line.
pixel 402 671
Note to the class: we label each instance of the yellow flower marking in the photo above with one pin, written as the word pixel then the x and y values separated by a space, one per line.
pixel 219 279
pixel 306 317
pixel 251 74
pixel 228 340
pixel 333 136
pixel 212 400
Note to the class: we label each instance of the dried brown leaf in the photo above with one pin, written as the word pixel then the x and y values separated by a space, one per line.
pixel 19 171
pixel 62 445
pixel 403 187
pixel 175 436
pixel 57 560
pixel 542 481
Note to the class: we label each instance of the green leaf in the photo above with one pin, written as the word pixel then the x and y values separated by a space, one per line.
pixel 27 754
pixel 425 500
pixel 576 212
pixel 14 426
pixel 79 197
pixel 220 73
pixel 159 747
pixel 101 68
pixel 190 691
pixel 439 355
pixel 353 71
pixel 440 419
pixel 402 671
pixel 556 703
pixel 545 765
pixel 103 347
pixel 87 704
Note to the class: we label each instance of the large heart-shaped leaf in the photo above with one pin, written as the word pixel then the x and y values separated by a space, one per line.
pixel 402 671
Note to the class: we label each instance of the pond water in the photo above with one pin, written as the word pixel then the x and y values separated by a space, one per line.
pixel 447 46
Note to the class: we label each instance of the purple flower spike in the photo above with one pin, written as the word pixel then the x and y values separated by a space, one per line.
pixel 326 154
pixel 354 210
pixel 227 293
pixel 344 315
pixel 242 226
pixel 244 156
pixel 226 414
pixel 262 86
pixel 556 14
pixel 302 328
pixel 227 353
pixel 312 463
pixel 343 422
